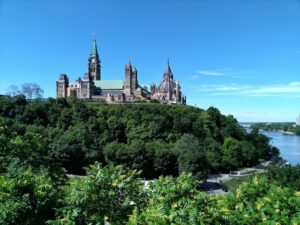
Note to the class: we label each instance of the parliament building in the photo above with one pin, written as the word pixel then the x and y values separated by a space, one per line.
pixel 92 88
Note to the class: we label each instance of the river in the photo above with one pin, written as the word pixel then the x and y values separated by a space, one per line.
pixel 289 145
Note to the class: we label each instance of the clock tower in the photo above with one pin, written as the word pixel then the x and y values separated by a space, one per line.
pixel 94 66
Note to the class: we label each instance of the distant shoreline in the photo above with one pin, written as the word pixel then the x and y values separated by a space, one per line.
pixel 284 128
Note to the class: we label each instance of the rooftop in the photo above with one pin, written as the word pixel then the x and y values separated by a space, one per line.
pixel 109 84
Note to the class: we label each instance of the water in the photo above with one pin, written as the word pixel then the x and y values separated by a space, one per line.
pixel 289 145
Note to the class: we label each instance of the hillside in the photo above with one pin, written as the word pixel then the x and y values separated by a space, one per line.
pixel 40 139
pixel 154 138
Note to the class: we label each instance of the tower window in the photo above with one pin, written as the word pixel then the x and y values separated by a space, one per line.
pixel 93 69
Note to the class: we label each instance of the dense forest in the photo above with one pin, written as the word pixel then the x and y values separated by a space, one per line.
pixel 290 127
pixel 117 146
pixel 156 139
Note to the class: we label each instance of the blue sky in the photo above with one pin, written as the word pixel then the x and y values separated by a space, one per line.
pixel 242 57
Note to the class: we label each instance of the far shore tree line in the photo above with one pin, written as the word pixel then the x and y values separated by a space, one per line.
pixel 287 126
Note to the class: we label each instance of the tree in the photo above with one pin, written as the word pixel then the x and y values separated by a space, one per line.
pixel 248 153
pixel 191 157
pixel 32 90
pixel 12 107
pixel 286 176
pixel 75 148
pixel 231 150
pixel 27 197
pixel 177 201
pixel 171 201
pixel 164 158
pixel 13 90
pixel 107 195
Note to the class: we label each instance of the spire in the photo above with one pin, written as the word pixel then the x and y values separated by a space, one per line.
pixel 168 68
pixel 128 65
pixel 94 50
pixel 168 72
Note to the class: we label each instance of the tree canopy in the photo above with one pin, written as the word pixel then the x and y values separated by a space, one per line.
pixel 156 139
pixel 174 146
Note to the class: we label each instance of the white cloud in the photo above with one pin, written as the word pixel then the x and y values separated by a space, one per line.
pixel 291 89
pixel 224 87
pixel 195 77
pixel 295 84
pixel 232 72
pixel 210 73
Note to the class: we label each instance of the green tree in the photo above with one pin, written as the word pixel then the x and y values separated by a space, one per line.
pixel 191 157
pixel 286 176
pixel 77 147
pixel 178 201
pixel 248 153
pixel 27 197
pixel 232 154
pixel 170 201
pixel 164 158
pixel 108 194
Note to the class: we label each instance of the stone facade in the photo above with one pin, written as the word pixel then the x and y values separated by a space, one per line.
pixel 92 88
pixel 169 90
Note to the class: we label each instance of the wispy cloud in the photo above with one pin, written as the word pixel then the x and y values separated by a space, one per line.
pixel 292 88
pixel 224 88
pixel 210 73
pixel 216 72
pixel 229 72
pixel 295 84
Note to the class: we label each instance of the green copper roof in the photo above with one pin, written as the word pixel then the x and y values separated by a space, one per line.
pixel 94 49
pixel 109 84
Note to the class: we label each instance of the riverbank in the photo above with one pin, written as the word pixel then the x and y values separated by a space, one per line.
pixel 285 128
pixel 287 132
pixel 217 183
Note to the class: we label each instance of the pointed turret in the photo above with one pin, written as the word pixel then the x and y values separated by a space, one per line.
pixel 128 65
pixel 168 71
pixel 168 68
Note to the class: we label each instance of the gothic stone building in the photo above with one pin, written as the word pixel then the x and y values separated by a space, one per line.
pixel 91 88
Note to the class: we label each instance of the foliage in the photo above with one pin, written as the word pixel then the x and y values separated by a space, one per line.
pixel 177 201
pixel 157 139
pixel 287 176
pixel 290 127
pixel 170 201
pixel 108 194
pixel 235 182
pixel 38 138
pixel 27 197
pixel 29 149
pixel 191 156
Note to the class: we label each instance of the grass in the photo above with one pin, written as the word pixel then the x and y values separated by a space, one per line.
pixel 233 184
